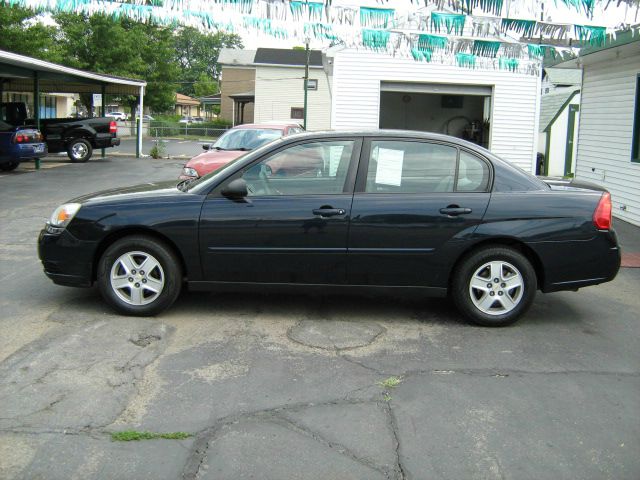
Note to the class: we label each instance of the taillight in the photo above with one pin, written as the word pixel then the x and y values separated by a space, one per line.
pixel 19 138
pixel 113 127
pixel 602 215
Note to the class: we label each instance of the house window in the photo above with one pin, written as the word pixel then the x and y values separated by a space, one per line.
pixel 635 146
pixel 297 113
pixel 312 84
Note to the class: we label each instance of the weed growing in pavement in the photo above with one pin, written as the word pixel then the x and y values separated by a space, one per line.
pixel 133 435
pixel 390 382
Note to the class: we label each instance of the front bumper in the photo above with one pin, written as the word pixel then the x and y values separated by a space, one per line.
pixel 65 259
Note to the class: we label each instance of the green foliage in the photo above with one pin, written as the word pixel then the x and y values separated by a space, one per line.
pixel 205 85
pixel 158 150
pixel 390 382
pixel 22 32
pixel 196 54
pixel 133 435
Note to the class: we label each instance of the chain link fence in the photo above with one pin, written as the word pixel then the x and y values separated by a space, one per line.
pixel 157 129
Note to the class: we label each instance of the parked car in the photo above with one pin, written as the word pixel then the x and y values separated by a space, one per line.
pixel 387 210
pixel 186 120
pixel 18 144
pixel 145 118
pixel 117 116
pixel 78 137
pixel 234 143
pixel 198 120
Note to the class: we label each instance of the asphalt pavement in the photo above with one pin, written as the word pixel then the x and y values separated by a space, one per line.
pixel 302 387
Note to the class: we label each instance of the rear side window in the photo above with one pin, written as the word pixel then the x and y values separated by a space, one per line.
pixel 410 167
pixel 473 174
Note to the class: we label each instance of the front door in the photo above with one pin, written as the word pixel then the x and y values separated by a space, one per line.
pixel 292 227
pixel 414 201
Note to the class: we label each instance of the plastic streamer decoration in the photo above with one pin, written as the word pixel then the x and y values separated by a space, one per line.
pixel 376 17
pixel 430 42
pixel 486 48
pixel 375 39
pixel 421 54
pixel 308 10
pixel 511 64
pixel 594 35
pixel 467 60
pixel 451 22
pixel 524 27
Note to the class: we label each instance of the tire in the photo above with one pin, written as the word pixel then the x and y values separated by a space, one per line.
pixel 474 280
pixel 133 293
pixel 79 150
pixel 7 167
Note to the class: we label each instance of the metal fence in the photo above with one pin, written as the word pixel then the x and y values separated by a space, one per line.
pixel 194 130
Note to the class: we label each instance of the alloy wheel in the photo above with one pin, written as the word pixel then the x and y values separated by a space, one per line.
pixel 496 288
pixel 137 278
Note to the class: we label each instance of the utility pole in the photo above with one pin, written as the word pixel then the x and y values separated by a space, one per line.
pixel 306 81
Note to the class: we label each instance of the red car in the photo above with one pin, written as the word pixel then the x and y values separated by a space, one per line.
pixel 234 143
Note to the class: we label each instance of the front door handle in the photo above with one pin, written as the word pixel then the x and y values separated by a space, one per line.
pixel 452 211
pixel 329 212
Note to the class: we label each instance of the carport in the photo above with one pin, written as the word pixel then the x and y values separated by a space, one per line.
pixel 19 73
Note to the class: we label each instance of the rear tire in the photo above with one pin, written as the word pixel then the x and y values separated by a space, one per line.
pixel 139 275
pixel 79 150
pixel 494 286
pixel 7 167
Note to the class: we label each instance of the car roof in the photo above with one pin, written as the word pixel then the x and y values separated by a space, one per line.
pixel 274 126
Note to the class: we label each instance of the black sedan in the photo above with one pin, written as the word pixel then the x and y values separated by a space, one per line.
pixel 383 210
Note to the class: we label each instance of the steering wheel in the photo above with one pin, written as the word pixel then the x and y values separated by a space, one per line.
pixel 259 184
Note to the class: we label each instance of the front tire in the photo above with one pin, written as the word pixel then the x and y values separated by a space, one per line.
pixel 494 286
pixel 79 150
pixel 139 275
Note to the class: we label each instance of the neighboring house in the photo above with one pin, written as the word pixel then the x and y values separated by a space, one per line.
pixel 559 120
pixel 554 79
pixel 609 133
pixel 187 106
pixel 237 85
pixel 494 108
pixel 279 92
pixel 52 105
pixel 209 104
pixel 267 84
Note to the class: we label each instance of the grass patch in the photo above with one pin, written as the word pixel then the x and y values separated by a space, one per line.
pixel 133 435
pixel 390 382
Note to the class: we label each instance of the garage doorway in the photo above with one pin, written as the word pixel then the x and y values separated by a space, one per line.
pixel 463 111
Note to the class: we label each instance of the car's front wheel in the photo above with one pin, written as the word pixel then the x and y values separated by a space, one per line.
pixel 494 286
pixel 139 275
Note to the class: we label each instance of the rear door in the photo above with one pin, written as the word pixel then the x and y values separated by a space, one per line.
pixel 293 225
pixel 415 202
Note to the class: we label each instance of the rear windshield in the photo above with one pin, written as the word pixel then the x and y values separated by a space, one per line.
pixel 246 139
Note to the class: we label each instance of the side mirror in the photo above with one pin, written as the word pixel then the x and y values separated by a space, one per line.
pixel 206 146
pixel 235 189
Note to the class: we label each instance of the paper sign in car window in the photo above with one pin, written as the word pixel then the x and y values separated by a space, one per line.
pixel 389 169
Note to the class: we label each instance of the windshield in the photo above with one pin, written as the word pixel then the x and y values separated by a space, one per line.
pixel 246 139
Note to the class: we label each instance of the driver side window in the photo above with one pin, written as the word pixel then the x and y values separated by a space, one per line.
pixel 308 169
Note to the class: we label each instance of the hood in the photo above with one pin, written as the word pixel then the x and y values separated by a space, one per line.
pixel 144 192
pixel 212 160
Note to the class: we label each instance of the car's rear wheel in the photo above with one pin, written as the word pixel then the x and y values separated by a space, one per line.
pixel 494 286
pixel 79 150
pixel 139 275
pixel 7 167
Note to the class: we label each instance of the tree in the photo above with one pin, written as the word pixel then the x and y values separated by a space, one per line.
pixel 197 54
pixel 125 48
pixel 21 31
pixel 205 85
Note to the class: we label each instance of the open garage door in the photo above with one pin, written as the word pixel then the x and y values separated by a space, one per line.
pixel 463 111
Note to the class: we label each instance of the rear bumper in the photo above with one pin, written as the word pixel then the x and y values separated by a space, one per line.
pixel 106 141
pixel 25 152
pixel 65 259
pixel 569 265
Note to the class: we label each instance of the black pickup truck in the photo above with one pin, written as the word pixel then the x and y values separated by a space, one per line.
pixel 78 137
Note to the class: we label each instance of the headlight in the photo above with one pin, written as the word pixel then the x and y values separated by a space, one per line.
pixel 64 214
pixel 190 172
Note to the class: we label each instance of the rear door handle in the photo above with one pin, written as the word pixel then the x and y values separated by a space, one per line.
pixel 329 212
pixel 455 211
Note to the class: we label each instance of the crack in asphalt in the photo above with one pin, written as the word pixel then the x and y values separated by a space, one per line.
pixel 392 423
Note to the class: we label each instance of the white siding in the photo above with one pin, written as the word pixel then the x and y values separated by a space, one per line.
pixel 514 119
pixel 606 131
pixel 280 88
